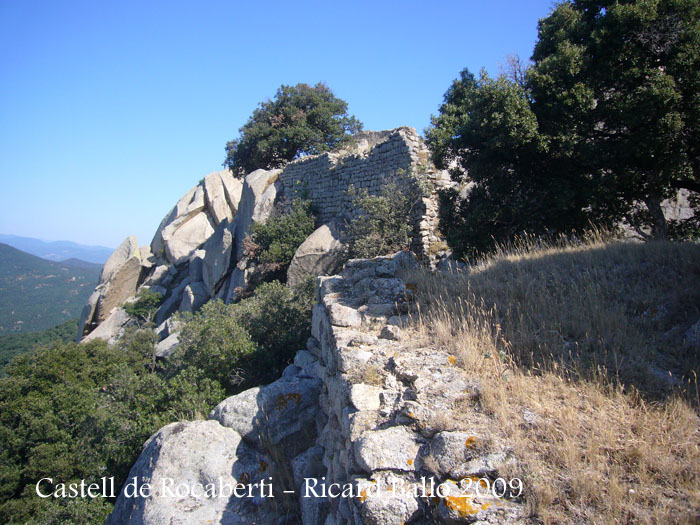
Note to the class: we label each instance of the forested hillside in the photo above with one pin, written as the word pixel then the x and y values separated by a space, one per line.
pixel 38 294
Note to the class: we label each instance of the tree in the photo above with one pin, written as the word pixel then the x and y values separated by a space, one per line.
pixel 300 120
pixel 616 88
pixel 606 117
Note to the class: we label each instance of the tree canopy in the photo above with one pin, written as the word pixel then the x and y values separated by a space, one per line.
pixel 604 119
pixel 300 120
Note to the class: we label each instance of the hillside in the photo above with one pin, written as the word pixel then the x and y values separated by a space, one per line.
pixel 58 250
pixel 38 294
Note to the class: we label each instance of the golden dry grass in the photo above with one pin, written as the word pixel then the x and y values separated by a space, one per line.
pixel 587 340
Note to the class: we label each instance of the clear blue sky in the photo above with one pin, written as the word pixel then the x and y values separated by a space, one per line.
pixel 110 111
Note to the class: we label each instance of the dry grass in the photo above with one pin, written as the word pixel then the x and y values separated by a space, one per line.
pixel 589 339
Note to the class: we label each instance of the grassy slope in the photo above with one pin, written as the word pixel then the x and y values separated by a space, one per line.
pixel 584 373
pixel 36 294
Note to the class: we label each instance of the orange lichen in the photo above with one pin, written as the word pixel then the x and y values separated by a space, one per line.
pixel 471 442
pixel 452 359
pixel 410 462
pixel 283 400
pixel 462 505
pixel 476 479
pixel 363 495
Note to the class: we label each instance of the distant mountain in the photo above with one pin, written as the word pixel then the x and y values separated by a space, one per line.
pixel 36 294
pixel 58 250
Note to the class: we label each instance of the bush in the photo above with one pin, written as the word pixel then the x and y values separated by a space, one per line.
pixel 274 242
pixel 75 412
pixel 278 319
pixel 384 224
pixel 144 308
pixel 214 342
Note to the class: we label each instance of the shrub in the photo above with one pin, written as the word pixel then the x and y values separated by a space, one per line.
pixel 213 341
pixel 274 242
pixel 384 224
pixel 278 319
pixel 144 308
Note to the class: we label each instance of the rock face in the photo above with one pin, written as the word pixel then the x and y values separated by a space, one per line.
pixel 118 282
pixel 319 254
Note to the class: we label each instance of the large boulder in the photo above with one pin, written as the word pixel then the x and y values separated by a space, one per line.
pixel 233 188
pixel 111 328
pixel 118 281
pixel 255 185
pixel 320 254
pixel 126 250
pixel 189 204
pixel 217 260
pixel 191 470
pixel 215 196
pixel 121 285
pixel 193 297
pixel 181 242
pixel 283 412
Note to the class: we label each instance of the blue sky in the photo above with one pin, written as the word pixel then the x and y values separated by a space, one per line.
pixel 110 111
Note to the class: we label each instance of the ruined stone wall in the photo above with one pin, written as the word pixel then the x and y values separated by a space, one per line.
pixel 377 158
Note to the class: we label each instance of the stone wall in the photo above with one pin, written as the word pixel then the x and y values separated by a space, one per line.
pixel 360 415
pixel 375 159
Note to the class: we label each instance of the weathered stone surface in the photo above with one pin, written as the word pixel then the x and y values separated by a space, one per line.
pixel 319 254
pixel 218 257
pixel 394 448
pixel 254 186
pixel 197 455
pixel 387 507
pixel 232 188
pixel 126 250
pixel 451 451
pixel 167 346
pixel 283 413
pixel 111 328
pixel 309 465
pixel 188 237
pixel 86 323
pixel 172 303
pixel 467 504
pixel 121 285
pixel 215 198
pixel 391 332
pixel 193 297
pixel 365 397
pixel 195 265
pixel 344 315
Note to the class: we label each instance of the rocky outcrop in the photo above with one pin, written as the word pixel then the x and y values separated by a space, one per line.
pixel 198 251
pixel 192 471
pixel 250 438
pixel 118 282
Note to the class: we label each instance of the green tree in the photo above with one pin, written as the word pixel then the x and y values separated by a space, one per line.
pixel 616 88
pixel 606 117
pixel 300 120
